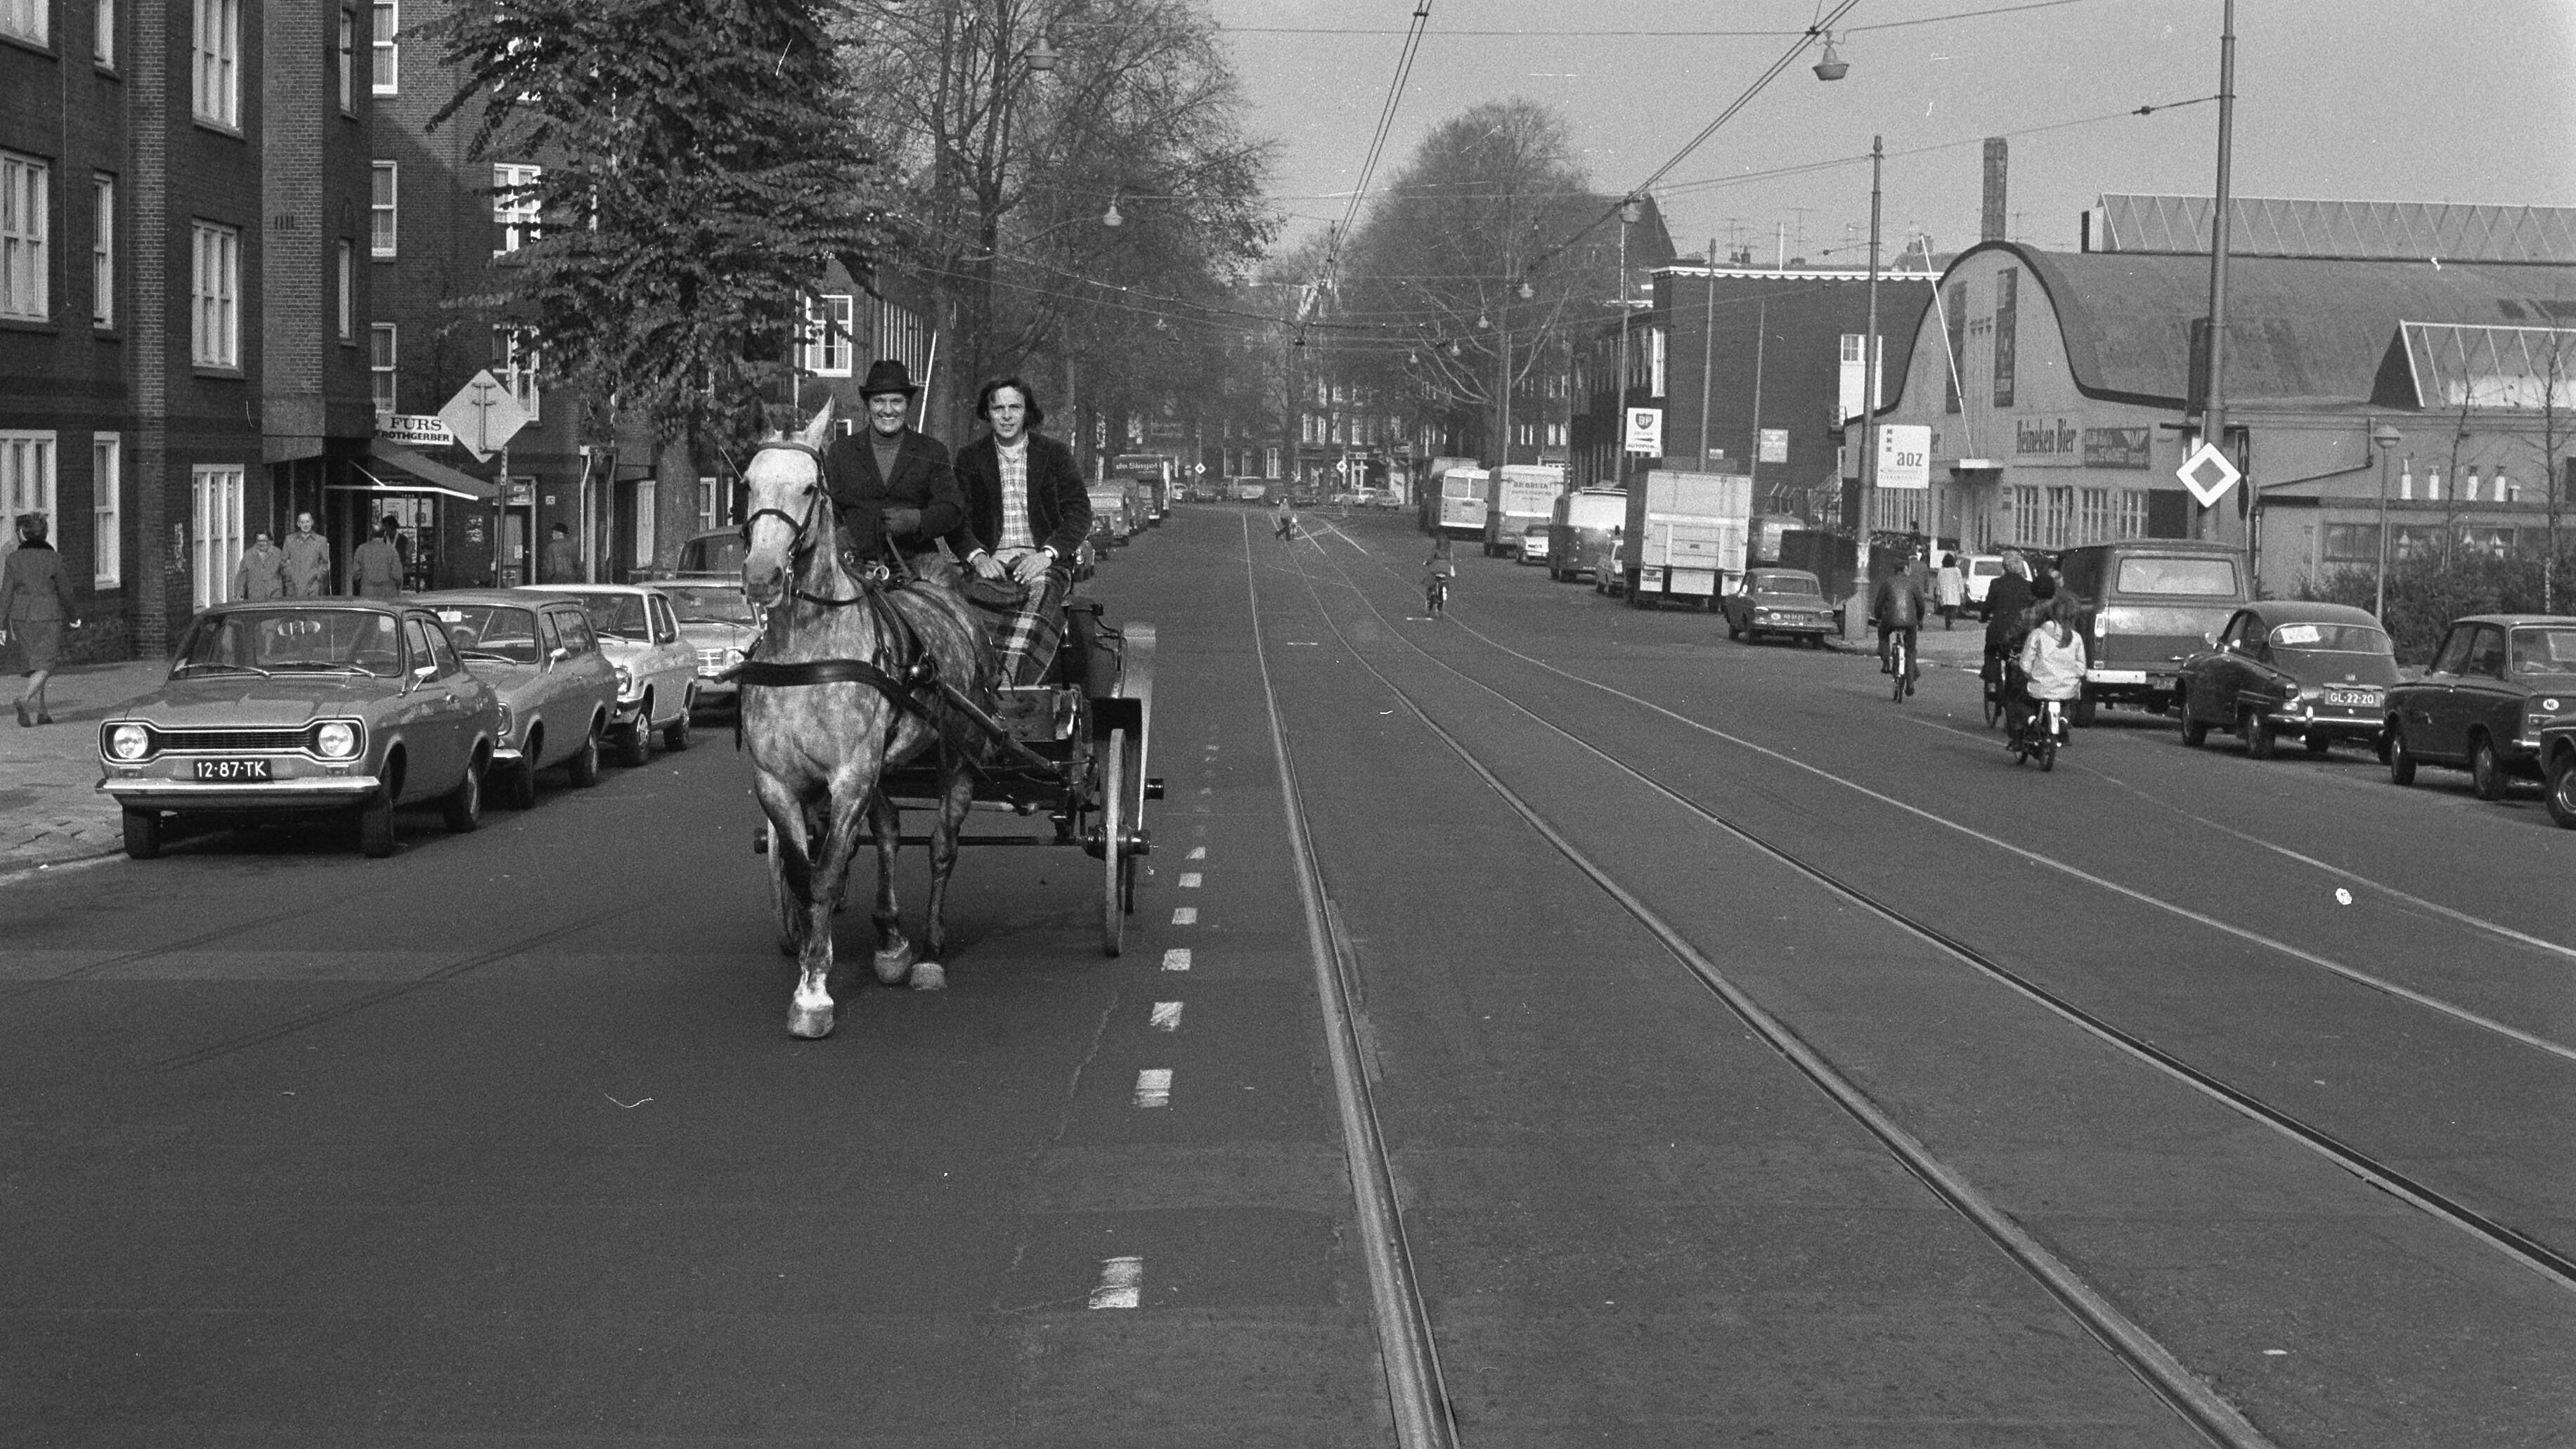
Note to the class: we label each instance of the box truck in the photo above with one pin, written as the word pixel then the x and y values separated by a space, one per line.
pixel 1462 502
pixel 1685 534
pixel 1524 494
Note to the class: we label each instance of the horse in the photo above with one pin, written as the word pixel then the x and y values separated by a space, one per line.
pixel 831 699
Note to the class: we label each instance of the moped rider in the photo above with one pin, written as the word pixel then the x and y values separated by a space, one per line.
pixel 2052 661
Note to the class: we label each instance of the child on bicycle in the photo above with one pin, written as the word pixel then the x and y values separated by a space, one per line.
pixel 1437 571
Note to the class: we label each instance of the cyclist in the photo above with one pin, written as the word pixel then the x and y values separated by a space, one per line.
pixel 1437 571
pixel 1898 607
pixel 2006 598
pixel 2051 661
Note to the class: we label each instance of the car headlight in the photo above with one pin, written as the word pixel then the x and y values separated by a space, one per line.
pixel 505 722
pixel 336 740
pixel 129 741
pixel 732 657
pixel 625 681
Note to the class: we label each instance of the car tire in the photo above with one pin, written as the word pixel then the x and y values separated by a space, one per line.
pixel 675 735
pixel 2562 790
pixel 376 825
pixel 462 807
pixel 635 743
pixel 142 833
pixel 2401 760
pixel 582 770
pixel 2195 730
pixel 519 783
pixel 2487 779
pixel 2256 731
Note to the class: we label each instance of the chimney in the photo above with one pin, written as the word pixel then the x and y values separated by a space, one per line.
pixel 1992 227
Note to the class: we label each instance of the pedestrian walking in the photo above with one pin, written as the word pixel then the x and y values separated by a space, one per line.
pixel 35 605
pixel 1951 587
pixel 376 569
pixel 561 558
pixel 1285 520
pixel 307 561
pixel 261 574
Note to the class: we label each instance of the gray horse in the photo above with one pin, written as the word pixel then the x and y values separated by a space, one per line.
pixel 822 721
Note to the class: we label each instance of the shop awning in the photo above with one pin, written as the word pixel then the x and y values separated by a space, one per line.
pixel 390 469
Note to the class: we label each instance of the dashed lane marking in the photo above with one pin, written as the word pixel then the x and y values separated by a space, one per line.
pixel 1154 1087
pixel 1198 852
pixel 1166 1017
pixel 1189 880
pixel 1122 1282
pixel 1177 959
pixel 1185 916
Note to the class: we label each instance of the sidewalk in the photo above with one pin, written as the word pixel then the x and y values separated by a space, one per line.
pixel 50 809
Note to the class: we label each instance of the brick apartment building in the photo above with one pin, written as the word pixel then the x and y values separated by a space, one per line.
pixel 181 194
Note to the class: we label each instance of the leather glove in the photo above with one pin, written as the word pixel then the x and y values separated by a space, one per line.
pixel 898 518
pixel 988 567
pixel 1032 569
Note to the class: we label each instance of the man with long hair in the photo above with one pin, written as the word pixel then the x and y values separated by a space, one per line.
pixel 1027 514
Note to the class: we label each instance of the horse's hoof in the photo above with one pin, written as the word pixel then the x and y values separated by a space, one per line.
pixel 929 976
pixel 809 1023
pixel 894 963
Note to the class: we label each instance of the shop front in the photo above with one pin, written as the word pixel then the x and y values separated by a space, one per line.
pixel 445 520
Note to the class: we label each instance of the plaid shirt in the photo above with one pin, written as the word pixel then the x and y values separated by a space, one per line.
pixel 1015 498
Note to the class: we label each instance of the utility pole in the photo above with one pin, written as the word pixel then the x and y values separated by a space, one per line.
pixel 1753 460
pixel 1869 398
pixel 1708 354
pixel 2214 406
pixel 1619 430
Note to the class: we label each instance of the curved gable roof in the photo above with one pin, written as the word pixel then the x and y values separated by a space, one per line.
pixel 2296 327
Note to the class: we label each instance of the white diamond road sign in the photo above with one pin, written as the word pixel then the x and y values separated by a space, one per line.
pixel 484 415
pixel 2206 462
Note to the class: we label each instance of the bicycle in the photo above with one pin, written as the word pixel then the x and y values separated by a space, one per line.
pixel 1435 596
pixel 1900 663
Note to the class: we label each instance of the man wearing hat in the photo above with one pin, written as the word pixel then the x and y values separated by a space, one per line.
pixel 893 484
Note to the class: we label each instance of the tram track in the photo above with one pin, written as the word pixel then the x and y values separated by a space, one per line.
pixel 2551 1263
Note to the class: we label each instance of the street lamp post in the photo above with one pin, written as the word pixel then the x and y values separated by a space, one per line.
pixel 1619 430
pixel 1868 404
pixel 2386 439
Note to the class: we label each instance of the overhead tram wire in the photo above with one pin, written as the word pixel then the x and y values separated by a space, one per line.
pixel 1341 234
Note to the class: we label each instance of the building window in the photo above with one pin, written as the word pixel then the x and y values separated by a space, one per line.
pixel 215 56
pixel 381 353
pixel 1955 330
pixel 106 508
pixel 26 474
pixel 828 350
pixel 381 218
pixel 2352 543
pixel 2133 513
pixel 24 185
pixel 709 498
pixel 347 280
pixel 348 58
pixel 2092 515
pixel 102 254
pixel 102 35
pixel 1655 340
pixel 515 362
pixel 26 20
pixel 514 206
pixel 215 531
pixel 385 77
pixel 2007 302
pixel 214 291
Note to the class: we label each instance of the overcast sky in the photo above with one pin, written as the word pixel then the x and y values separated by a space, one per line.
pixel 2402 100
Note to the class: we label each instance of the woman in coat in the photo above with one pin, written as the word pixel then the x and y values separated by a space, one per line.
pixel 35 603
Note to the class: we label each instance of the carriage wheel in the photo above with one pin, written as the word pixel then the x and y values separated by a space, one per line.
pixel 1113 853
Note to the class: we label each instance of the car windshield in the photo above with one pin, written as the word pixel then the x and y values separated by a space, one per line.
pixel 617 616
pixel 2331 638
pixel 274 641
pixel 717 553
pixel 1985 568
pixel 491 631
pixel 1785 584
pixel 2544 651
pixel 2213 578
pixel 713 604
pixel 1582 512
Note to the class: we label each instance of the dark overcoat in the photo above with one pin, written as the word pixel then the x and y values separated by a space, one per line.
pixel 922 478
pixel 1059 508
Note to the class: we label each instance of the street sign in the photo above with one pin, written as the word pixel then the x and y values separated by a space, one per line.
pixel 1646 431
pixel 418 429
pixel 2208 474
pixel 1775 445
pixel 1904 455
pixel 1198 468
pixel 484 415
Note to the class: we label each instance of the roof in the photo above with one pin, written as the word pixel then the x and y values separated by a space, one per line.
pixel 2297 328
pixel 588 589
pixel 526 598
pixel 2351 230
pixel 2515 620
pixel 365 602
pixel 2301 611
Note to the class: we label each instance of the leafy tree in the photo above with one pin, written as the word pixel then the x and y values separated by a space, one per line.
pixel 699 172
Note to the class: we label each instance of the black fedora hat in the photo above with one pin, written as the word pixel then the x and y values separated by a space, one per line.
pixel 887 374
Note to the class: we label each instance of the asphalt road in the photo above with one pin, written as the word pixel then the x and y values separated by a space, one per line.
pixel 503 1140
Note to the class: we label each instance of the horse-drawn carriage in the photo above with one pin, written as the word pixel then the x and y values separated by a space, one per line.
pixel 868 695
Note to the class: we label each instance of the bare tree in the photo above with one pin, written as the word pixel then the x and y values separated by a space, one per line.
pixel 2552 445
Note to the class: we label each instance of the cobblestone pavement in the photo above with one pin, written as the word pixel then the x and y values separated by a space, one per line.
pixel 50 808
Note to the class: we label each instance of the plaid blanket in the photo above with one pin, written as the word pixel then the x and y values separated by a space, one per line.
pixel 1025 636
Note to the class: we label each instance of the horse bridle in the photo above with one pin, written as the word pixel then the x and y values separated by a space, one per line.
pixel 804 544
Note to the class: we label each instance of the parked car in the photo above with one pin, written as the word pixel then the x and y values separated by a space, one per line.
pixel 717 623
pixel 1977 574
pixel 1533 542
pixel 558 692
pixel 299 707
pixel 1579 524
pixel 2558 772
pixel 657 671
pixel 2496 683
pixel 1788 603
pixel 2148 604
pixel 1110 523
pixel 2316 672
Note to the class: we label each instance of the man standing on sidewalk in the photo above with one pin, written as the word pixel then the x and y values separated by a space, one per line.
pixel 307 561
pixel 562 558
pixel 261 574
pixel 376 569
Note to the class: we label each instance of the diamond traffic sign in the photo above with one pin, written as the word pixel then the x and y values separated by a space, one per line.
pixel 2208 474
pixel 484 415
